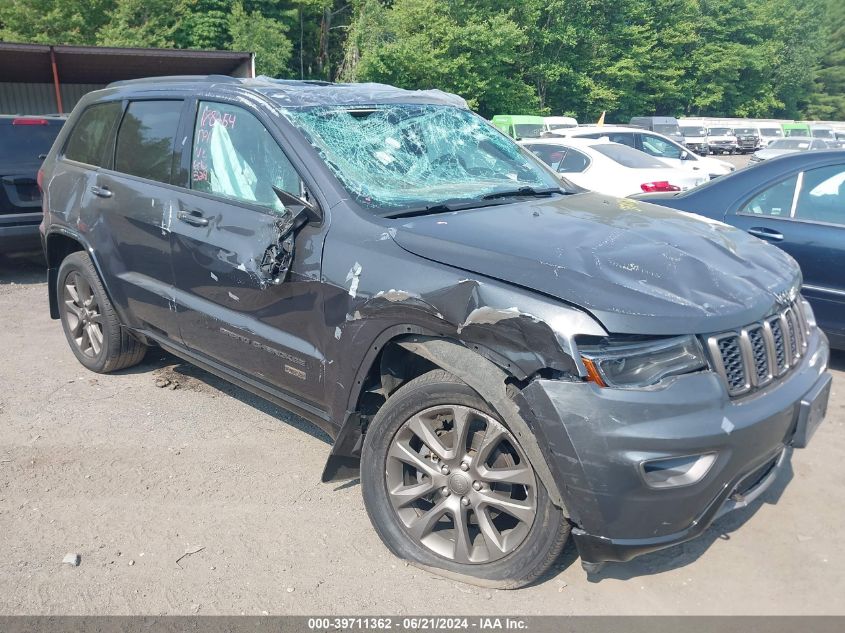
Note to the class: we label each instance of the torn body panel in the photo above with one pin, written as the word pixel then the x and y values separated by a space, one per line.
pixel 601 443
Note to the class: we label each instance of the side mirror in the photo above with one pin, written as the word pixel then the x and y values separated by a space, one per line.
pixel 685 155
pixel 278 257
pixel 298 206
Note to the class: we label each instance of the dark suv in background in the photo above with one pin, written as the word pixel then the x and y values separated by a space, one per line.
pixel 504 359
pixel 24 143
pixel 747 139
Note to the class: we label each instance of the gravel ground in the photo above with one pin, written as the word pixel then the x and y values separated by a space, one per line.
pixel 185 495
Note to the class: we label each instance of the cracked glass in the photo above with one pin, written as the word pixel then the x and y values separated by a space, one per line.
pixel 400 156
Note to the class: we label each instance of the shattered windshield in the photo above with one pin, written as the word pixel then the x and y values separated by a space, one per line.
pixel 407 156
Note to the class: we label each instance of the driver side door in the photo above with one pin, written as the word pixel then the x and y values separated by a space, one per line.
pixel 227 226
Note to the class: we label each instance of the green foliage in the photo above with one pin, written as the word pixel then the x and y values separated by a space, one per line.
pixel 827 100
pixel 53 21
pixel 262 35
pixel 757 58
pixel 141 23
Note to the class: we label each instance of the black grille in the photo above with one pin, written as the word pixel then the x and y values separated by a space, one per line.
pixel 780 346
pixel 732 360
pixel 759 354
pixel 752 356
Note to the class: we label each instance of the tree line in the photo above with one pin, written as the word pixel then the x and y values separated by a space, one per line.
pixel 747 58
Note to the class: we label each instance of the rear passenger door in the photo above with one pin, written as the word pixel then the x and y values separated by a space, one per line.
pixel 227 225
pixel 135 197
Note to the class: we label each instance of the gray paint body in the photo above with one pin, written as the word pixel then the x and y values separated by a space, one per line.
pixel 495 294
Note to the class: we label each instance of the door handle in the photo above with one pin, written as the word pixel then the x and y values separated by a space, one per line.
pixel 101 192
pixel 193 218
pixel 766 234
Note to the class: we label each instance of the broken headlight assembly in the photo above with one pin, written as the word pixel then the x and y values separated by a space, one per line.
pixel 642 364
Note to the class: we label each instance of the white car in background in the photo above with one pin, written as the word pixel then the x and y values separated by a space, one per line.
pixel 769 132
pixel 655 145
pixel 610 168
pixel 555 123
pixel 722 140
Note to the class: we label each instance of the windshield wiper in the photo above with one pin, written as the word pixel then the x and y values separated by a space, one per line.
pixel 458 204
pixel 522 191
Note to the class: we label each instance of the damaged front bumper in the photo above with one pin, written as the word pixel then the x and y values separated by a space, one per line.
pixel 601 442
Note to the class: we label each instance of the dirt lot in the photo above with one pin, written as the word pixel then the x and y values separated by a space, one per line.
pixel 133 470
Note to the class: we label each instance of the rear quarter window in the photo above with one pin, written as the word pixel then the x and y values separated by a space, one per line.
pixel 87 141
pixel 23 144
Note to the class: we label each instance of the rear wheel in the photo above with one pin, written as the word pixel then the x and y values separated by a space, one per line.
pixel 89 321
pixel 448 486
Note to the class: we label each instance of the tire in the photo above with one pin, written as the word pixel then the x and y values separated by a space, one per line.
pixel 501 550
pixel 89 321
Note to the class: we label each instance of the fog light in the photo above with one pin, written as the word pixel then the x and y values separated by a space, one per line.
pixel 672 472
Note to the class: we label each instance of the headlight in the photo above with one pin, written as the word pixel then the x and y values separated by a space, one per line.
pixel 643 364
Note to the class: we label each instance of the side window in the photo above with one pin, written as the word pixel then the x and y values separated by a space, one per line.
pixel 236 157
pixel 87 141
pixel 776 201
pixel 622 138
pixel 573 162
pixel 822 195
pixel 656 146
pixel 146 138
pixel 559 158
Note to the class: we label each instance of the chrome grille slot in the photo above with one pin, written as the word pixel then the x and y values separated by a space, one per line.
pixel 754 355
pixel 780 345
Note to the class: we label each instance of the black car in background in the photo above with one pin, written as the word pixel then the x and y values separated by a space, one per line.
pixel 747 139
pixel 796 202
pixel 24 142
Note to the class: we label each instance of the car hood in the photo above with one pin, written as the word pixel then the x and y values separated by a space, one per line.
pixel 637 268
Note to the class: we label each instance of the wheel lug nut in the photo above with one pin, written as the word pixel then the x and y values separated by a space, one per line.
pixel 444 469
pixel 464 501
pixel 464 466
pixel 476 485
pixel 445 491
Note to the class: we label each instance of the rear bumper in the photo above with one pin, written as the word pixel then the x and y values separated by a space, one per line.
pixel 19 236
pixel 598 441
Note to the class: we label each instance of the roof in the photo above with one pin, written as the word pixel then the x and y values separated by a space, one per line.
pixel 302 93
pixel 573 141
pixel 518 118
pixel 31 63
pixel 295 93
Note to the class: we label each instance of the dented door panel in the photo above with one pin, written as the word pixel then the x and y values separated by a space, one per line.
pixel 231 309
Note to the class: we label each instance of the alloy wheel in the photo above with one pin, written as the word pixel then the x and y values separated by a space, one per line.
pixel 84 321
pixel 460 484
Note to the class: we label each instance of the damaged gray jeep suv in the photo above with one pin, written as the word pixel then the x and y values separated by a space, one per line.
pixel 504 359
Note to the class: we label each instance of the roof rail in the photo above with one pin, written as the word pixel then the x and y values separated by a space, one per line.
pixel 175 79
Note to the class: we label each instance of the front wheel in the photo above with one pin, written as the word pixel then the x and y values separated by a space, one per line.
pixel 448 487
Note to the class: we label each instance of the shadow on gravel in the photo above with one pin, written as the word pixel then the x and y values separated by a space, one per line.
pixel 686 553
pixel 837 359
pixel 26 267
pixel 169 372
